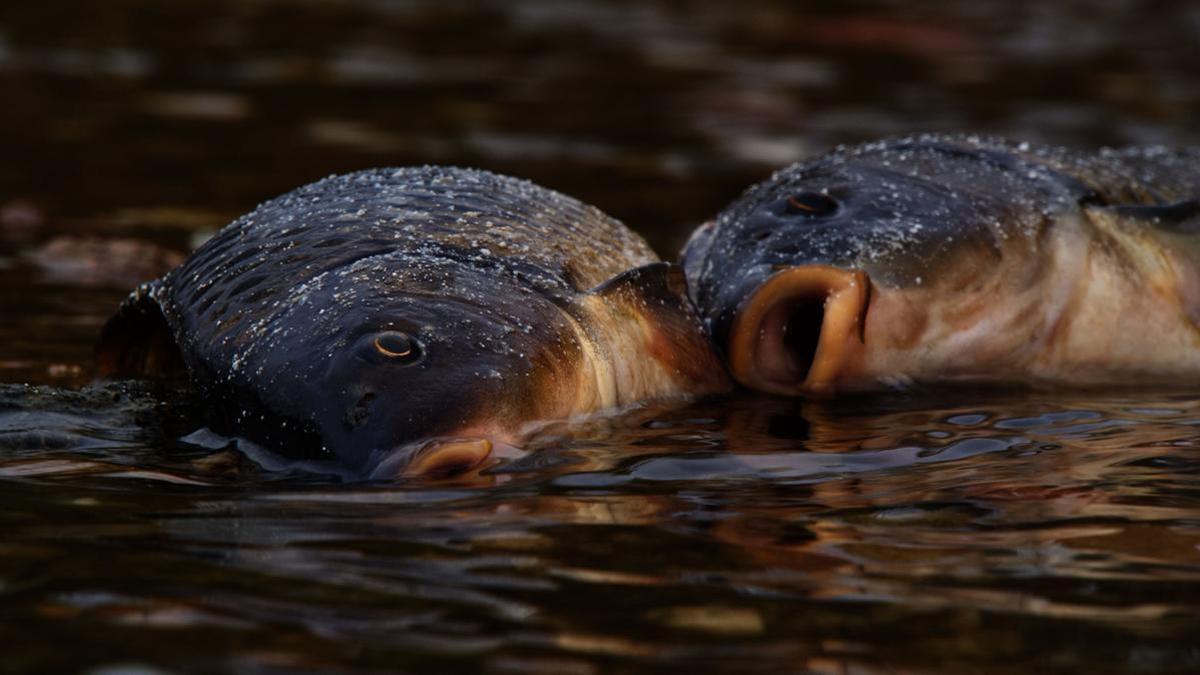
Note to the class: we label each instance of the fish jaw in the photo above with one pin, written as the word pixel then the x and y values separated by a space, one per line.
pixel 800 330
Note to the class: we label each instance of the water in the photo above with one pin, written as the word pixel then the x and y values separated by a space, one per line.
pixel 752 534
pixel 927 532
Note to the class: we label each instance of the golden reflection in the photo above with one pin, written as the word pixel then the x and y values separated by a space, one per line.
pixel 712 619
pixel 604 644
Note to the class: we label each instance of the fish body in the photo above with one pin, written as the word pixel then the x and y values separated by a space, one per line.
pixel 934 258
pixel 414 320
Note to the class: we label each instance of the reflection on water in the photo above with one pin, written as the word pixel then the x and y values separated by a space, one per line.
pixel 901 534
pixel 753 534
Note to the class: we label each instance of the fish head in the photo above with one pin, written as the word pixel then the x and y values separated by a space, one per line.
pixel 407 320
pixel 837 274
pixel 399 366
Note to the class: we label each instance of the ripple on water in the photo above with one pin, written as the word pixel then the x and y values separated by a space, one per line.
pixel 728 532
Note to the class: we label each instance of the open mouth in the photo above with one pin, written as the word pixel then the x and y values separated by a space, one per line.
pixel 794 334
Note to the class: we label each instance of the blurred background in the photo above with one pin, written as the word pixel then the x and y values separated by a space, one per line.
pixel 130 130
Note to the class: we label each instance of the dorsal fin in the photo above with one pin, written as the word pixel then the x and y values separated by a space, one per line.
pixel 137 342
pixel 1182 216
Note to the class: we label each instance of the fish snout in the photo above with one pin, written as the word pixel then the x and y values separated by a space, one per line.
pixel 796 333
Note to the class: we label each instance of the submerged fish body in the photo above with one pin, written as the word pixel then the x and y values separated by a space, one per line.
pixel 415 320
pixel 957 259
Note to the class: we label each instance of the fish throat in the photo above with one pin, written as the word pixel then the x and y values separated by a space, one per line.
pixel 796 325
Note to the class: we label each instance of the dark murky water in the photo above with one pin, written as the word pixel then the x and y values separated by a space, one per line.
pixel 951 533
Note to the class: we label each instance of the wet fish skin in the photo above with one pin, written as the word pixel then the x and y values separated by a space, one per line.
pixel 519 305
pixel 938 258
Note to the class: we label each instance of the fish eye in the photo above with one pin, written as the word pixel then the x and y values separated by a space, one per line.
pixel 396 346
pixel 810 204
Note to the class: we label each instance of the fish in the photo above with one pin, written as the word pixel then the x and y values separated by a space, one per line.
pixel 957 259
pixel 414 321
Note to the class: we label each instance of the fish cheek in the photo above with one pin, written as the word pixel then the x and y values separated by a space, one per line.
pixel 387 406
pixel 375 421
pixel 358 414
pixel 353 402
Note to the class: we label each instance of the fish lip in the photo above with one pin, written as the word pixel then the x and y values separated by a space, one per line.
pixel 760 358
pixel 459 453
pixel 437 457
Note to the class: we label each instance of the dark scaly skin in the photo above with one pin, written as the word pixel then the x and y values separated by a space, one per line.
pixel 932 211
pixel 274 317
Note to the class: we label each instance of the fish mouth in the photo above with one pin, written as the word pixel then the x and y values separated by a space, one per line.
pixel 795 333
pixel 441 457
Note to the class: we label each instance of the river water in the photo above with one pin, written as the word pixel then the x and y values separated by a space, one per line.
pixel 922 532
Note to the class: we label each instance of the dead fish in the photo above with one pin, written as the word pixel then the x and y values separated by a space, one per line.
pixel 415 320
pixel 933 259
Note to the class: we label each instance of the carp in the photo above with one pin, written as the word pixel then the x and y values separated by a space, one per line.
pixel 414 321
pixel 957 259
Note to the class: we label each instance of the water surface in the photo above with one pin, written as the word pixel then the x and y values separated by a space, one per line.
pixel 1018 532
